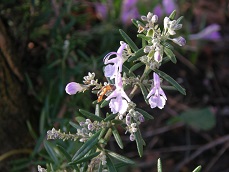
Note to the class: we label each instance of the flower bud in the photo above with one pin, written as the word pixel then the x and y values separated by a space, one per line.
pixel 132 137
pixel 73 88
pixel 157 56
pixel 128 119
pixel 90 127
pixel 141 118
pixel 179 40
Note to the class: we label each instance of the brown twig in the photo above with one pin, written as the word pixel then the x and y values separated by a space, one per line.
pixel 214 143
pixel 216 158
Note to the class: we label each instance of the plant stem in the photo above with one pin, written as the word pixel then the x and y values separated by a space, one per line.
pixel 136 87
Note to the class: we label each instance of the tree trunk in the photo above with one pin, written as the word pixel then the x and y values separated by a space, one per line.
pixel 14 105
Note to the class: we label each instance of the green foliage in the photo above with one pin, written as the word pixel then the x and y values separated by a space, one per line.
pixel 201 119
pixel 88 145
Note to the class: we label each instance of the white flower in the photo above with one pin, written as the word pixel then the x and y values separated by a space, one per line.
pixel 171 26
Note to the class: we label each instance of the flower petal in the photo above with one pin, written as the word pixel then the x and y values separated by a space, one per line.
pixel 109 70
pixel 72 88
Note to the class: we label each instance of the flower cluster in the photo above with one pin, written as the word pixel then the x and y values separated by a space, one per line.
pixel 57 134
pixel 156 38
pixel 124 112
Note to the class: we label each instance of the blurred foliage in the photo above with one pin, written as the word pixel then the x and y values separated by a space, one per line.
pixel 58 41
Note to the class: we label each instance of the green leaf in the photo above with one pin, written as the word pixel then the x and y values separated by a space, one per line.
pixel 104 103
pixel 127 71
pixel 137 55
pixel 79 118
pixel 103 132
pixel 159 166
pixel 117 122
pixel 147 38
pixel 87 146
pixel 38 144
pixel 86 158
pixel 84 167
pixel 42 120
pixel 97 110
pixel 171 81
pixel 144 92
pixel 31 130
pixel 100 167
pixel 128 40
pixel 172 15
pixel 136 66
pixel 135 22
pixel 139 141
pixel 117 137
pixel 170 54
pixel 120 158
pixel 179 19
pixel 197 169
pixel 90 115
pixel 110 165
pixel 202 119
pixel 50 149
pixel 145 114
pixel 74 125
pixel 64 152
pixel 110 117
pixel 168 45
pixel 165 60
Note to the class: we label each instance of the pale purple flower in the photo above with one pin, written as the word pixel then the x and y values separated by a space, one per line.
pixel 169 6
pixel 73 87
pixel 211 32
pixel 101 10
pixel 179 40
pixel 114 65
pixel 129 11
pixel 118 98
pixel 156 96
pixel 157 56
pixel 158 10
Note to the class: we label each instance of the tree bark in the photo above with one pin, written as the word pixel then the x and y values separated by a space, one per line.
pixel 14 105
